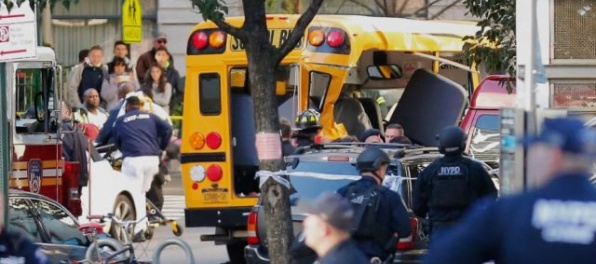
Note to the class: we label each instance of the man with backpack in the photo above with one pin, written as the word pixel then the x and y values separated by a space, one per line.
pixel 450 185
pixel 90 74
pixel 380 217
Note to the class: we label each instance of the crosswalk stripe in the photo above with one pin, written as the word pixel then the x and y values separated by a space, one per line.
pixel 173 207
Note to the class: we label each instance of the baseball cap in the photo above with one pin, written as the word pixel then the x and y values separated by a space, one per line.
pixel 332 208
pixel 568 134
pixel 368 133
pixel 161 35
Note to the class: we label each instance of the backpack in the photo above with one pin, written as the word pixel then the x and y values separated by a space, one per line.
pixel 366 223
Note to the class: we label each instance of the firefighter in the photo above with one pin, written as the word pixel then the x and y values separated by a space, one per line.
pixel 15 247
pixel 381 218
pixel 553 223
pixel 449 185
pixel 308 128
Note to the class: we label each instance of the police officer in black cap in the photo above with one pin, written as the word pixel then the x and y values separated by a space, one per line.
pixel 553 223
pixel 308 127
pixel 380 217
pixel 449 185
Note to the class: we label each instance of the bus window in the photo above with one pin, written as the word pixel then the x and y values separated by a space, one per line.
pixel 210 94
pixel 318 85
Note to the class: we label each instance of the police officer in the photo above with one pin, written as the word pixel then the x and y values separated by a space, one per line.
pixel 308 124
pixel 449 185
pixel 15 247
pixel 380 217
pixel 553 223
pixel 327 230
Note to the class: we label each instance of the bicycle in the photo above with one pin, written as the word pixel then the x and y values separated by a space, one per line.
pixel 121 256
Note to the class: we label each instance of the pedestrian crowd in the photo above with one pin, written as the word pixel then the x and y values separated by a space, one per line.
pixel 114 101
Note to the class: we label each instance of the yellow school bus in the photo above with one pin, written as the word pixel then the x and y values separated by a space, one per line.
pixel 218 154
pixel 351 61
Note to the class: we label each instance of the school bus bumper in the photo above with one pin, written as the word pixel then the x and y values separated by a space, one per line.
pixel 232 218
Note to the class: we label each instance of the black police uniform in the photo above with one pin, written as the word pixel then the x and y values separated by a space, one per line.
pixel 391 217
pixel 449 185
pixel 445 202
pixel 16 248
pixel 344 252
pixel 554 224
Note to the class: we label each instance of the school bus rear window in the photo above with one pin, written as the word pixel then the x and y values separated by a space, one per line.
pixel 210 94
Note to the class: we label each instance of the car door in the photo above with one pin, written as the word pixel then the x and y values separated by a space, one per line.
pixel 60 230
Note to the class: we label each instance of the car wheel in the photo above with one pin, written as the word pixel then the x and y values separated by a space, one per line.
pixel 124 210
pixel 236 253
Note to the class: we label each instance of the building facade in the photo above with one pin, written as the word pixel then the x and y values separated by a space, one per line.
pixel 98 22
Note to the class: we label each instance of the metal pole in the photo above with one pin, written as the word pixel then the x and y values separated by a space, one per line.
pixel 530 91
pixel 4 141
pixel 530 94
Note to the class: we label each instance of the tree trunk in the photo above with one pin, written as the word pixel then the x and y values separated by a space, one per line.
pixel 261 72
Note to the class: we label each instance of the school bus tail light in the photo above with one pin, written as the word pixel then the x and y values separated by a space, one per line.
pixel 217 39
pixel 206 41
pixel 200 40
pixel 197 140
pixel 335 39
pixel 316 38
pixel 213 140
pixel 214 173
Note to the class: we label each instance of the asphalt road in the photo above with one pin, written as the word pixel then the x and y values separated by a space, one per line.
pixel 204 252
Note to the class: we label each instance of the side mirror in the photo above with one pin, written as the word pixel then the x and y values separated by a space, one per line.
pixel 384 72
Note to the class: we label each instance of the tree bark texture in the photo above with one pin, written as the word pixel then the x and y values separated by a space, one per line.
pixel 261 73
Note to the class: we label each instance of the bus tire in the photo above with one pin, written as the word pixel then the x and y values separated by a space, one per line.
pixel 190 259
pixel 236 252
pixel 113 244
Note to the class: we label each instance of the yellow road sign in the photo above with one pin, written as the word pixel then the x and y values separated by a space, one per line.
pixel 132 21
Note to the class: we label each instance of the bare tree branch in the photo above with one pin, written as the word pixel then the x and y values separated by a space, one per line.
pixel 298 31
pixel 445 9
pixel 340 6
pixel 372 11
pixel 400 11
pixel 426 7
pixel 234 31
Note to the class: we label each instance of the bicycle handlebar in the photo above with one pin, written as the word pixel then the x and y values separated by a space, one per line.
pixel 115 219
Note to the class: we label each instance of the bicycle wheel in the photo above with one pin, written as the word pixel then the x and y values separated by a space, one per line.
pixel 106 246
pixel 190 259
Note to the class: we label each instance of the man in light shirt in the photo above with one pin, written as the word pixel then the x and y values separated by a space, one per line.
pixel 95 114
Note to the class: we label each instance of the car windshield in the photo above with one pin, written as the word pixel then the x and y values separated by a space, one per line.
pixel 310 186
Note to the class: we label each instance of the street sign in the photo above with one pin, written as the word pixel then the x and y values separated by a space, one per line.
pixel 132 21
pixel 18 32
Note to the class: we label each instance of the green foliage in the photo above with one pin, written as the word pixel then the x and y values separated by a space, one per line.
pixel 10 4
pixel 282 6
pixel 495 42
pixel 211 9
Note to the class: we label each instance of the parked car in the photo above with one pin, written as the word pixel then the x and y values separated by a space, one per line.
pixel 328 169
pixel 48 224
